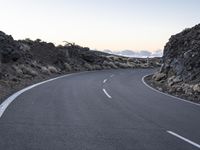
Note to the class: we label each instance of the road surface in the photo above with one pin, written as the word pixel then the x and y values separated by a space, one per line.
pixel 100 110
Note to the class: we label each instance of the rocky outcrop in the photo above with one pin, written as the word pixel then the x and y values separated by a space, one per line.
pixel 180 72
pixel 25 61
pixel 10 50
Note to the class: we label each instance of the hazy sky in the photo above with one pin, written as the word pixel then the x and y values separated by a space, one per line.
pixel 99 24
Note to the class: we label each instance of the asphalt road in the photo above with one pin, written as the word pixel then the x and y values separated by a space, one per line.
pixel 100 110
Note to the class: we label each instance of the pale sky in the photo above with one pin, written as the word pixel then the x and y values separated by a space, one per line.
pixel 99 24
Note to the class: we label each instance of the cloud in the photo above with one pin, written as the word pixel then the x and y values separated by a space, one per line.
pixel 131 53
pixel 145 53
pixel 127 52
pixel 157 53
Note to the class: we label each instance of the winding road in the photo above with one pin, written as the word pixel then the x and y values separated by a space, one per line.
pixel 99 110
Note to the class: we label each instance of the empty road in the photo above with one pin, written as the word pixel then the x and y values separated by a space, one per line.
pixel 99 110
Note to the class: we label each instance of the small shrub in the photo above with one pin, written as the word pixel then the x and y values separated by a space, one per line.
pixel 28 70
pixel 122 65
pixel 45 70
pixel 88 66
pixel 67 67
pixel 52 69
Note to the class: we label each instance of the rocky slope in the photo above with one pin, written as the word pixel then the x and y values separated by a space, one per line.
pixel 180 72
pixel 24 62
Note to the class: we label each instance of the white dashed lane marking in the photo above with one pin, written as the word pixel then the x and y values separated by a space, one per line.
pixel 107 93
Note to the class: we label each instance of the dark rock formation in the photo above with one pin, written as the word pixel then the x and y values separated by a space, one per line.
pixel 9 49
pixel 180 72
pixel 182 55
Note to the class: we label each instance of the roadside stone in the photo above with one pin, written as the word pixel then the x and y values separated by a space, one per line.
pixel 159 76
pixel 196 88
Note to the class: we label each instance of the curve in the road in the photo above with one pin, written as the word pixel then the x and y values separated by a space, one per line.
pixel 4 105
pixel 74 113
pixel 178 98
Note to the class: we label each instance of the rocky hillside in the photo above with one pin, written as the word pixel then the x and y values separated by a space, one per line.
pixel 180 72
pixel 25 61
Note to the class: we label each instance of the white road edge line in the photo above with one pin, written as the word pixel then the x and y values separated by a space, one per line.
pixel 105 80
pixel 106 93
pixel 187 101
pixel 184 139
pixel 10 99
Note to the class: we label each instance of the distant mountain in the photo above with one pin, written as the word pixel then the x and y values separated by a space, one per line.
pixel 140 54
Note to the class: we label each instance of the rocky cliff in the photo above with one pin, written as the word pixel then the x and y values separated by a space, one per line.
pixel 180 72
pixel 23 62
